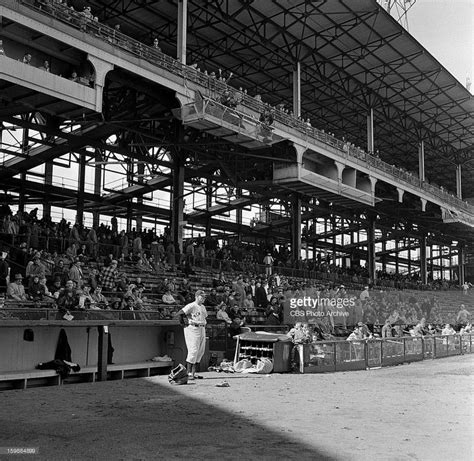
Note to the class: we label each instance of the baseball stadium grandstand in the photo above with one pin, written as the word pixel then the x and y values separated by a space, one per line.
pixel 151 148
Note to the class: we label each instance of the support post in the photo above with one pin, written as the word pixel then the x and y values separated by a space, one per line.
pixel 461 266
pixel 48 181
pixel 141 171
pixel 370 131
pixel 421 161
pixel 182 30
pixel 297 90
pixel 423 265
pixel 25 147
pixel 102 353
pixel 296 228
pixel 371 248
pixel 459 181
pixel 208 205
pixel 101 69
pixel 97 185
pixel 177 208
pixel 81 187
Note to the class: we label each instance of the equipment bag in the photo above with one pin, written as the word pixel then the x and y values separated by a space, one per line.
pixel 178 375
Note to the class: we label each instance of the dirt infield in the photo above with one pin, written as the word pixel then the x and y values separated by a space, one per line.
pixel 422 411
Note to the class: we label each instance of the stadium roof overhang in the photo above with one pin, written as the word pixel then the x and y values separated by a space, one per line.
pixel 353 55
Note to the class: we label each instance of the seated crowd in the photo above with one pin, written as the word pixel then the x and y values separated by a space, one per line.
pixel 85 277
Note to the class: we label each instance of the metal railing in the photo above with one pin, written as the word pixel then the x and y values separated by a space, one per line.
pixel 374 353
pixel 213 88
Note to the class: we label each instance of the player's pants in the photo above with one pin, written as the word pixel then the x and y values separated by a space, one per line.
pixel 195 338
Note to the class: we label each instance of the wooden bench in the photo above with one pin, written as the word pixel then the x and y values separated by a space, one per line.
pixel 36 378
pixel 137 369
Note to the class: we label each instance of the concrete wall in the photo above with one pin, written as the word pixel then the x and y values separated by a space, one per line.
pixel 131 344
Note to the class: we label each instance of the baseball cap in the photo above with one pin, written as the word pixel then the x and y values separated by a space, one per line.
pixel 200 293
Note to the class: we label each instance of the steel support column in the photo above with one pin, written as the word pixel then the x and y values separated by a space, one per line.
pixel 238 215
pixel 182 30
pixel 208 205
pixel 140 171
pixel 296 227
pixel 81 187
pixel 421 161
pixel 177 224
pixel 97 185
pixel 297 90
pixel 24 151
pixel 371 248
pixel 423 265
pixel 370 131
pixel 461 264
pixel 48 180
pixel 459 181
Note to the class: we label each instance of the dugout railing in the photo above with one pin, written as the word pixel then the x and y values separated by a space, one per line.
pixel 329 356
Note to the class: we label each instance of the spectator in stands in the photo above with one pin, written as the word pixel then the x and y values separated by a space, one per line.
pixel 261 299
pixel 419 329
pixel 35 267
pixel 222 314
pixel 67 300
pixel 448 330
pixel 137 246
pixel 85 298
pixel 268 261
pixel 46 66
pixel 122 283
pixel 168 298
pixel 365 295
pixel 266 117
pixel 174 289
pixel 465 287
pixel 273 312
pixel 61 272
pixel 99 299
pixel 364 330
pixel 74 77
pixel 139 284
pixel 212 299
pixel 93 279
pixel 387 329
pixel 219 281
pixel 356 335
pixel 463 317
pixel 190 252
pixel 123 244
pixel 16 290
pixel 4 272
pixel 109 276
pixel 156 44
pixel 75 272
pixel 251 288
pixel 92 243
pixel 186 291
pixel 27 58
pixel 57 287
pixel 248 304
pixel 36 291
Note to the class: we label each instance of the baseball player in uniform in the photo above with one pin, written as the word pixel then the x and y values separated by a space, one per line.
pixel 193 319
